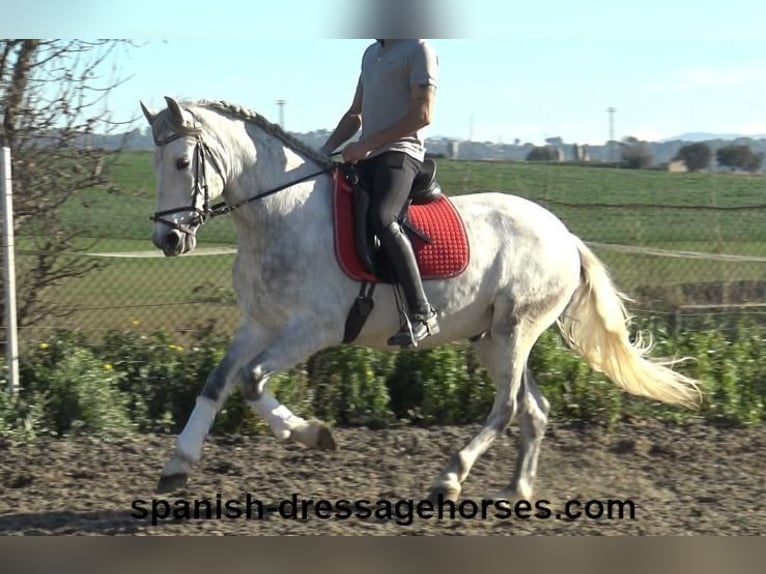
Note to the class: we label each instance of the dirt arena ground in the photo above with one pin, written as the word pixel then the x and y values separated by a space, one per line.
pixel 693 480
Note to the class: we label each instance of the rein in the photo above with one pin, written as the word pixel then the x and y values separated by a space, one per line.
pixel 222 208
pixel 201 216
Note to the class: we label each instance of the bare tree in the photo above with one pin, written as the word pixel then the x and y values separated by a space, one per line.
pixel 53 99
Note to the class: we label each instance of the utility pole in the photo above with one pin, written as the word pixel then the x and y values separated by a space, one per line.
pixel 610 110
pixel 281 104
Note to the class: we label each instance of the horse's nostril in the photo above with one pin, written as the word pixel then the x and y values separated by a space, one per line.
pixel 172 241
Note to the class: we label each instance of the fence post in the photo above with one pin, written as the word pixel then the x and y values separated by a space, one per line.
pixel 9 273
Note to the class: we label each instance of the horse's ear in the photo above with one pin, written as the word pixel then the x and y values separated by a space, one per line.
pixel 175 111
pixel 148 114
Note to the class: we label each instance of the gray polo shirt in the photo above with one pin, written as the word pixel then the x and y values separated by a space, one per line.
pixel 388 75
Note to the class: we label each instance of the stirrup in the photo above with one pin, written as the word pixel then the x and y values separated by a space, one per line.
pixel 409 335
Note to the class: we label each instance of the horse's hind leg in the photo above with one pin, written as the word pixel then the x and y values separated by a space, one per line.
pixel 504 354
pixel 533 417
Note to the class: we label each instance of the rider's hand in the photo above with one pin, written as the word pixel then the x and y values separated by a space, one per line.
pixel 356 151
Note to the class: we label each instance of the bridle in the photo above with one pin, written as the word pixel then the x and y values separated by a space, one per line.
pixel 200 216
pixel 201 188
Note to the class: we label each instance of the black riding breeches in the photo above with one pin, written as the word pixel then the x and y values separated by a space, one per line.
pixel 390 175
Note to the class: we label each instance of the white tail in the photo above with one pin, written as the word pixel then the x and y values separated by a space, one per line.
pixel 595 324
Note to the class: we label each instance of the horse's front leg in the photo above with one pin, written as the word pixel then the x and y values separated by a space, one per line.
pixel 295 344
pixel 218 386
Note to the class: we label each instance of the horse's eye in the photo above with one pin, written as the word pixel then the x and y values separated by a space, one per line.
pixel 182 163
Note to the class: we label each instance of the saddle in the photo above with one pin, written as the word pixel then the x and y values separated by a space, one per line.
pixel 429 218
pixel 425 190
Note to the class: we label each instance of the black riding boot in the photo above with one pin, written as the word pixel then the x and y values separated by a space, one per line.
pixel 422 316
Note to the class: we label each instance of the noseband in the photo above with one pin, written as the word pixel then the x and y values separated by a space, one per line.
pixel 199 216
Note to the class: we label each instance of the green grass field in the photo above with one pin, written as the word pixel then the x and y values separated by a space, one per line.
pixel 692 212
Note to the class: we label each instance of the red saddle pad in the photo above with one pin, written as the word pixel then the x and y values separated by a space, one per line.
pixel 446 256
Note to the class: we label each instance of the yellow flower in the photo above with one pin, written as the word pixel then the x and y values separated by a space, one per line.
pixel 108 367
pixel 44 345
pixel 135 322
pixel 176 348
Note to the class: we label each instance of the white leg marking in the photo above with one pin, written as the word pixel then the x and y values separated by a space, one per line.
pixel 189 442
pixel 279 418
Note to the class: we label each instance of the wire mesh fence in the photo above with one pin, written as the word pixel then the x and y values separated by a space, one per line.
pixel 682 245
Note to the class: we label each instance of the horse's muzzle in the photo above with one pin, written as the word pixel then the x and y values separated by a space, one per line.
pixel 174 242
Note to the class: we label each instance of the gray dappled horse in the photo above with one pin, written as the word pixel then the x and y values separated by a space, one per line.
pixel 526 271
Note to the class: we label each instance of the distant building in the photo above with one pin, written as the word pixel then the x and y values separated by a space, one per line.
pixel 580 152
pixel 677 166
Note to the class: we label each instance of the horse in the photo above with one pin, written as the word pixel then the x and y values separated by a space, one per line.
pixel 526 272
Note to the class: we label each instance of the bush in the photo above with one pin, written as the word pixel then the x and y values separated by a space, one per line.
pixel 635 154
pixel 79 392
pixel 543 153
pixel 162 379
pixel 696 156
pixel 22 419
pixel 349 386
pixel 739 157
pixel 441 386
pixel 134 382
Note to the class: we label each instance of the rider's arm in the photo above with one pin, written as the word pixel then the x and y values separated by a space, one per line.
pixel 348 125
pixel 417 117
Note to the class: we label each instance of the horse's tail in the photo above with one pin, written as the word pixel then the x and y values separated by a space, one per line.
pixel 595 324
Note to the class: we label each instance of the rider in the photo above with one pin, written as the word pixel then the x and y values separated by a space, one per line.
pixel 393 103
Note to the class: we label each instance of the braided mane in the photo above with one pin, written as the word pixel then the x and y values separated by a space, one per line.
pixel 276 130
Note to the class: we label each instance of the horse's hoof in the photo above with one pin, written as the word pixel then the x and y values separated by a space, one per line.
pixel 441 494
pixel 325 440
pixel 512 495
pixel 171 483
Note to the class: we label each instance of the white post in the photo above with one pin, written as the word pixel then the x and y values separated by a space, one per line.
pixel 9 273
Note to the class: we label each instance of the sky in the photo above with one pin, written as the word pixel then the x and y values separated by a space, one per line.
pixel 508 70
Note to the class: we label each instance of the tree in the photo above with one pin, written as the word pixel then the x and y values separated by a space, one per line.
pixel 739 157
pixel 635 154
pixel 696 156
pixel 52 100
pixel 542 153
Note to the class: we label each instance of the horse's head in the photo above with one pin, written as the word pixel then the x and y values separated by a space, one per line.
pixel 188 177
